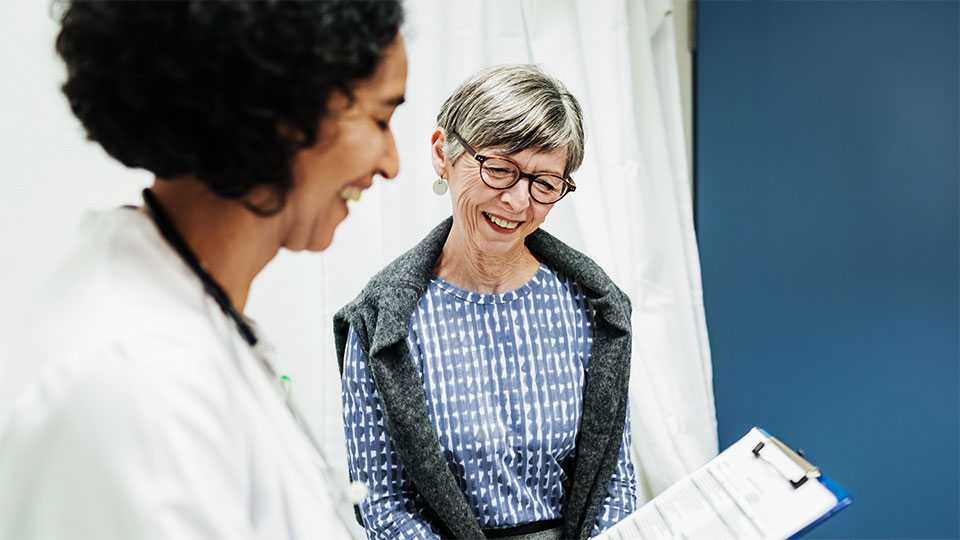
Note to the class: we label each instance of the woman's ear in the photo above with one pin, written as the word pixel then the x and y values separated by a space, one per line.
pixel 438 155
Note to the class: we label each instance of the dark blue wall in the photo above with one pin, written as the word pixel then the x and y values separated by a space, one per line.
pixel 827 196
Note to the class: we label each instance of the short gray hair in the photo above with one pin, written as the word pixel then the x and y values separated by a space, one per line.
pixel 514 107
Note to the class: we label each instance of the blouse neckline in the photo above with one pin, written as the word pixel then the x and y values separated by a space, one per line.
pixel 535 283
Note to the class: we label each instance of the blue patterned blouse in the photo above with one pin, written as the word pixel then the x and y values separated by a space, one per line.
pixel 504 376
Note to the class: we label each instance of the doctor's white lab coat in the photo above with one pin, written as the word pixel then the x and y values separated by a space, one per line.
pixel 153 418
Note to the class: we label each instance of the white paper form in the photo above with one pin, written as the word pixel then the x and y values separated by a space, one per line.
pixel 736 496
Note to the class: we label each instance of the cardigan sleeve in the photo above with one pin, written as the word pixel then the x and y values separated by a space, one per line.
pixel 388 511
pixel 621 498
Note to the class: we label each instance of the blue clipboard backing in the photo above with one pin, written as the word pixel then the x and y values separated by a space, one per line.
pixel 843 500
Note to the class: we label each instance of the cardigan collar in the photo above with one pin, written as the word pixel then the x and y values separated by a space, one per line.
pixel 401 284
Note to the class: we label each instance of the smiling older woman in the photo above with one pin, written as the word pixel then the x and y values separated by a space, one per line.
pixel 485 371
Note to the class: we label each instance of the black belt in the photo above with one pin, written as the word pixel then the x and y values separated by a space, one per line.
pixel 526 528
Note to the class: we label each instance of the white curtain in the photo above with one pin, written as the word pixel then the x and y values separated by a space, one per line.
pixel 632 211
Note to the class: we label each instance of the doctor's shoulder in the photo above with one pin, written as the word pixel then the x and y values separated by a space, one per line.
pixel 130 399
pixel 112 425
pixel 119 288
pixel 142 368
pixel 116 333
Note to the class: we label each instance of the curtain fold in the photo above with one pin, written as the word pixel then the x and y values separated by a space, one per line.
pixel 632 211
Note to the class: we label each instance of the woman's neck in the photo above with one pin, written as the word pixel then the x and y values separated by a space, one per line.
pixel 464 264
pixel 231 242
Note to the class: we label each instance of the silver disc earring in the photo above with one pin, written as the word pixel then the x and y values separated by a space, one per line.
pixel 440 186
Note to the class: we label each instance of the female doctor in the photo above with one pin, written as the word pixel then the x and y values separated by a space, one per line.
pixel 158 414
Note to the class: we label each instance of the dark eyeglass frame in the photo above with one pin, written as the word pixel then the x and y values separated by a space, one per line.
pixel 568 184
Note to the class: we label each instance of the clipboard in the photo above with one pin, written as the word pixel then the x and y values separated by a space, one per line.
pixel 810 472
pixel 757 489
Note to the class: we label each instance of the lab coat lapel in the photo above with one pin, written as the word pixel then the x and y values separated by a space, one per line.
pixel 296 449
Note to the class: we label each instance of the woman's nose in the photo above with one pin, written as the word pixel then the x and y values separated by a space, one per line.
pixel 517 197
pixel 389 164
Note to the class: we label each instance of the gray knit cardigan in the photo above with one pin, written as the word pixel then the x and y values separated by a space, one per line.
pixel 380 317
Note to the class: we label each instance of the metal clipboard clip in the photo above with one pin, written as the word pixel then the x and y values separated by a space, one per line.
pixel 790 464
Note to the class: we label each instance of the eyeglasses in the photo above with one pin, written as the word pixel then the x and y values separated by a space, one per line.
pixel 503 173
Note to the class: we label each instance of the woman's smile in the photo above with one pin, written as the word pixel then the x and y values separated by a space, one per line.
pixel 501 224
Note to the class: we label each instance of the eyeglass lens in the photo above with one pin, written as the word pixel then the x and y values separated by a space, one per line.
pixel 501 174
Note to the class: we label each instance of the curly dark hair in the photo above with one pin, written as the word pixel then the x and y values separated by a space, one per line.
pixel 226 91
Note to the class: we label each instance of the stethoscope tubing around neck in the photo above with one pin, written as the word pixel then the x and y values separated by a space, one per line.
pixel 169 233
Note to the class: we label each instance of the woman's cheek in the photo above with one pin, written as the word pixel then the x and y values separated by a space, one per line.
pixel 463 205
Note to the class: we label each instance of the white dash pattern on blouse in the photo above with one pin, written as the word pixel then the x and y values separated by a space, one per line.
pixel 503 376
